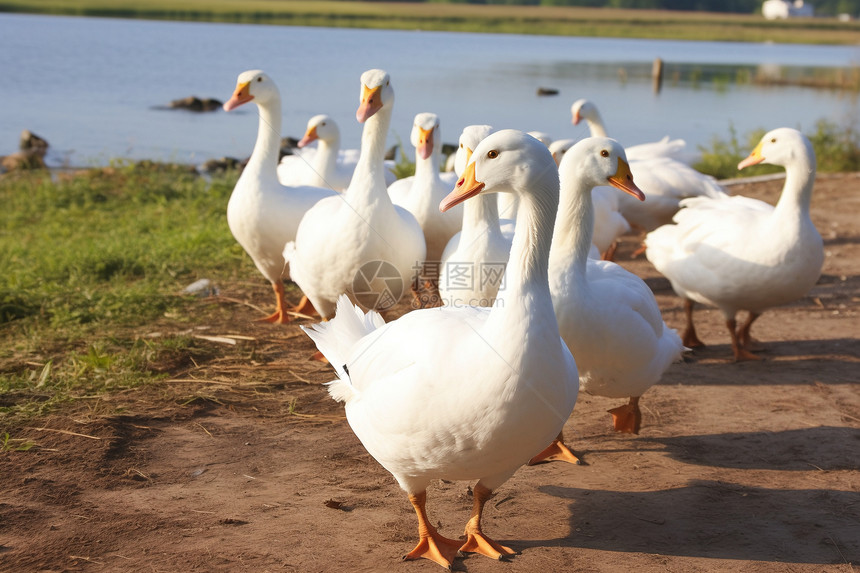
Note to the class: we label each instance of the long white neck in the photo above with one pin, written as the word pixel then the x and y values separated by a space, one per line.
pixel 595 124
pixel 526 276
pixel 480 219
pixel 368 180
pixel 574 227
pixel 325 160
pixel 429 167
pixel 263 162
pixel 797 191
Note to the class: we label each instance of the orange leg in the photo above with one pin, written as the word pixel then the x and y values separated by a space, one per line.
pixel 627 418
pixel 609 255
pixel 431 545
pixel 476 541
pixel 556 452
pixel 744 337
pixel 280 315
pixel 305 307
pixel 741 353
pixel 690 339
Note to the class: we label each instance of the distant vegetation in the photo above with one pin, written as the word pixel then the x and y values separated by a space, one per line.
pixel 837 149
pixel 549 18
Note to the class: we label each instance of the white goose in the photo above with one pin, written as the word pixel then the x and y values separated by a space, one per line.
pixel 421 193
pixel 585 110
pixel 474 260
pixel 657 168
pixel 264 215
pixel 326 166
pixel 342 234
pixel 609 223
pixel 608 316
pixel 403 382
pixel 738 253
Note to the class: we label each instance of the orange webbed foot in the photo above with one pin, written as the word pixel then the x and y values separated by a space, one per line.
pixel 477 542
pixel 555 452
pixel 277 317
pixel 435 547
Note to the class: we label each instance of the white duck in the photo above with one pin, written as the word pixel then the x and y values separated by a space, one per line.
pixel 326 166
pixel 657 168
pixel 601 308
pixel 609 223
pixel 585 110
pixel 738 253
pixel 403 382
pixel 342 234
pixel 474 260
pixel 421 193
pixel 264 215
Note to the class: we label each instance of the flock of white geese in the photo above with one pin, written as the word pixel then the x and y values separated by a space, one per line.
pixel 483 384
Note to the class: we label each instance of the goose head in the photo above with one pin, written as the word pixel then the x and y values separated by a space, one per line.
pixel 506 161
pixel 253 85
pixel 559 147
pixel 470 137
pixel 583 109
pixel 599 161
pixel 320 127
pixel 425 134
pixel 781 146
pixel 376 92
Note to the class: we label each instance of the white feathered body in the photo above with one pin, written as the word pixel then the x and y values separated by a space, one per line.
pixel 738 253
pixel 498 412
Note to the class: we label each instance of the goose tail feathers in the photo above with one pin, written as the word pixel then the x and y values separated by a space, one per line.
pixel 336 338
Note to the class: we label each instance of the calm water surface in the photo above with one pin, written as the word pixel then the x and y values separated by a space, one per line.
pixel 94 87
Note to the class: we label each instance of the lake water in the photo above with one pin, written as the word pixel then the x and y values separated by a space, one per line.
pixel 93 87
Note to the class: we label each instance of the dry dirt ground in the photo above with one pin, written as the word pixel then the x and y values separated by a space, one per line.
pixel 239 461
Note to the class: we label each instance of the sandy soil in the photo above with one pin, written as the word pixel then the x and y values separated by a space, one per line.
pixel 241 462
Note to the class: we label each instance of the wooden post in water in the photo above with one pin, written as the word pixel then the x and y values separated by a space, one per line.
pixel 657 75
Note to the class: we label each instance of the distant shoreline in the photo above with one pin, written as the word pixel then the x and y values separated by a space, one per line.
pixel 529 20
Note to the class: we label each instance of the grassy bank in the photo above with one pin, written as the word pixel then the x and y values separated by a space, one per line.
pixel 91 257
pixel 544 20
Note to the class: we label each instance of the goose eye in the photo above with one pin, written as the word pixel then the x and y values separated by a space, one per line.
pixel 461 146
pixel 492 154
pixel 260 78
pixel 773 140
pixel 604 153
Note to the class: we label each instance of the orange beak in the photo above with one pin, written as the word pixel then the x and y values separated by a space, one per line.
pixel 425 143
pixel 371 102
pixel 309 137
pixel 623 179
pixel 241 96
pixel 466 188
pixel 576 118
pixel 755 157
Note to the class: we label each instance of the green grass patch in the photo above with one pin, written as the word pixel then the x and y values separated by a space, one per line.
pixel 91 256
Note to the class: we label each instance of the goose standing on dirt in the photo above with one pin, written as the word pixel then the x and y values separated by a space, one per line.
pixel 461 393
pixel 602 308
pixel 262 214
pixel 738 253
pixel 474 260
pixel 656 168
pixel 359 242
pixel 420 194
